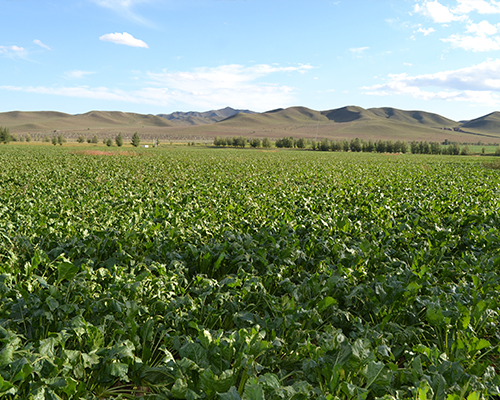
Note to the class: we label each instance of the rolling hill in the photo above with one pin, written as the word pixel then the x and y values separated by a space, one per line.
pixel 488 123
pixel 340 123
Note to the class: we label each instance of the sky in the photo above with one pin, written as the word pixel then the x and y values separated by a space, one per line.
pixel 161 56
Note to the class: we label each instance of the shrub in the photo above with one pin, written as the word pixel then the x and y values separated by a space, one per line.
pixel 119 140
pixel 136 140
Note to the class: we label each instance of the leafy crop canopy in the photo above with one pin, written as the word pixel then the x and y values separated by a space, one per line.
pixel 207 274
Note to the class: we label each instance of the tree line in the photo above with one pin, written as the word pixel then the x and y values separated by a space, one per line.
pixel 353 145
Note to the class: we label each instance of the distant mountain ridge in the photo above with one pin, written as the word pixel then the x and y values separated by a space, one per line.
pixel 200 118
pixel 344 122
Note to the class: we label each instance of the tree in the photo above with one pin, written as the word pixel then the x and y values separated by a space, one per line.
pixel 119 140
pixel 109 142
pixel 61 139
pixel 5 136
pixel 255 142
pixel 355 145
pixel 54 140
pixel 301 143
pixel 80 139
pixel 239 141
pixel 28 137
pixel 94 139
pixel 266 143
pixel 380 146
pixel 136 140
pixel 324 145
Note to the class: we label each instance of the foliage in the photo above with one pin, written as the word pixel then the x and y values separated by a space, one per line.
pixel 119 140
pixel 5 136
pixel 80 139
pixel 136 140
pixel 256 142
pixel 210 274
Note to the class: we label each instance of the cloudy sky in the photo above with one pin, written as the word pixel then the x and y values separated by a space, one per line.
pixel 160 56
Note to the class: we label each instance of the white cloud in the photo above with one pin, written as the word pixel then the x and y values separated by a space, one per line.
pixel 474 43
pixel 201 88
pixel 123 38
pixel 77 74
pixel 358 50
pixel 426 31
pixel 7 49
pixel 437 12
pixel 39 43
pixel 477 84
pixel 480 6
pixel 483 28
pixel 13 51
pixel 408 64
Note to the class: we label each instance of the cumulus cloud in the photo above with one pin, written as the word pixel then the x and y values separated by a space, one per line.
pixel 216 87
pixel 123 38
pixel 39 43
pixel 477 84
pixel 479 6
pixel 473 43
pixel 437 12
pixel 480 36
pixel 426 31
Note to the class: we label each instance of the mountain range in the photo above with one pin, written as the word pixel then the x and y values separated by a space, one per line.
pixel 344 122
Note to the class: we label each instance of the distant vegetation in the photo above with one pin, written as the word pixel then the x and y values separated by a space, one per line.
pixel 354 145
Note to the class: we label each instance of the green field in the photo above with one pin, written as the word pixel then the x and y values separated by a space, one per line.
pixel 191 273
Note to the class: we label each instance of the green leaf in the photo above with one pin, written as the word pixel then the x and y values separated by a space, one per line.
pixel 253 391
pixel 231 394
pixel 119 370
pixel 180 388
pixel 325 303
pixel 66 270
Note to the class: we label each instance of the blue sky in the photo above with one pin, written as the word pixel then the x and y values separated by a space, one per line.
pixel 161 56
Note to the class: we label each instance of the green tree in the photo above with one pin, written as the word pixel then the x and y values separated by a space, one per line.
pixel 54 140
pixel 324 145
pixel 119 140
pixel 301 143
pixel 94 139
pixel 266 143
pixel 61 139
pixel 109 142
pixel 80 139
pixel 255 142
pixel 5 135
pixel 28 137
pixel 355 145
pixel 136 140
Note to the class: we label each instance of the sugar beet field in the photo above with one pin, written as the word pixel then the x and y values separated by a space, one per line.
pixel 188 273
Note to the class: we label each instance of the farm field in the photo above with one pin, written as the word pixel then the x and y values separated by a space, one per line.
pixel 191 273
